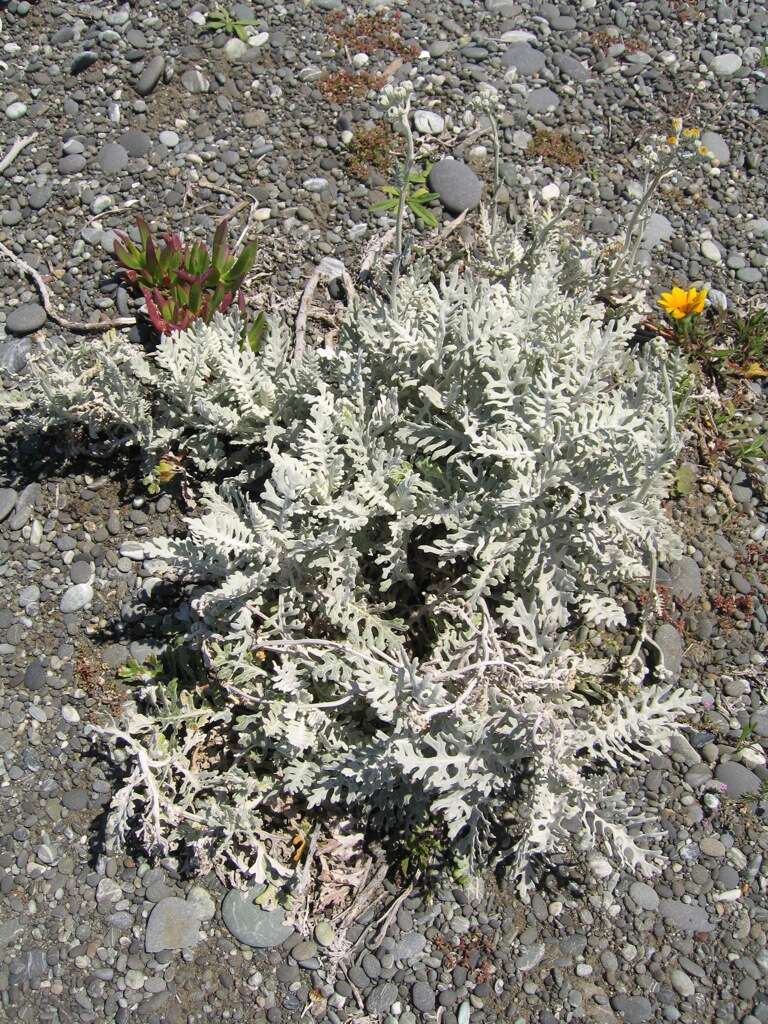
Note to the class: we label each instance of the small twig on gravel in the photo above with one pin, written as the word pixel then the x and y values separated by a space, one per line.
pixel 390 915
pixel 254 206
pixel 376 247
pixel 322 269
pixel 449 228
pixel 15 149
pixel 301 317
pixel 70 325
pixel 390 69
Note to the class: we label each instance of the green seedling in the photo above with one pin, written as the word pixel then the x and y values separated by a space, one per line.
pixel 416 197
pixel 221 20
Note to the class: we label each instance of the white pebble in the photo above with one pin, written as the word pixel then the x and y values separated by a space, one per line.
pixel 360 60
pixel 681 983
pixel 100 204
pixel 710 251
pixel 427 122
pixel 728 896
pixel 169 139
pixel 70 714
pixel 15 110
pixel 261 214
pixel 718 299
pixel 599 866
pixel 752 756
pixel 726 64
pixel 258 38
pixel 550 192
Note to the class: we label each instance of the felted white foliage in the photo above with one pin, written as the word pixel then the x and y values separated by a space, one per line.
pixel 201 393
pixel 386 603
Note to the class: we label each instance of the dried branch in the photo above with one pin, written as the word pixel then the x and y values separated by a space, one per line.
pixel 70 325
pixel 15 149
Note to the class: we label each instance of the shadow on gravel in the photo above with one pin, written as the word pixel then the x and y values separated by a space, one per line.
pixel 44 457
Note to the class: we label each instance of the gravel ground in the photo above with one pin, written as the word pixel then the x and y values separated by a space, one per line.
pixel 136 111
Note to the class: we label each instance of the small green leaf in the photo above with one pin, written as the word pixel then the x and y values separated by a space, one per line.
pixel 685 479
pixel 243 265
pixel 220 245
pixel 385 205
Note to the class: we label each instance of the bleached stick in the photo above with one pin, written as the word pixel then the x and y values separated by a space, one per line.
pixel 71 325
pixel 15 149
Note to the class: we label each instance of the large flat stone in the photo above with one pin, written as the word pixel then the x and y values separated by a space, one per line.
pixel 173 924
pixel 252 925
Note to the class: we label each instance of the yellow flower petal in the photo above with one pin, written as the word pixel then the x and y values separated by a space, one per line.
pixel 755 370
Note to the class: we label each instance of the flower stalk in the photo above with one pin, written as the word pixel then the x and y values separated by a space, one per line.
pixel 396 100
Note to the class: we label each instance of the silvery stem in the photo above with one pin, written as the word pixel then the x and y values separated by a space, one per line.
pixel 407 168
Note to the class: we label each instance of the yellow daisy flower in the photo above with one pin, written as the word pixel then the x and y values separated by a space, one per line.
pixel 680 303
pixel 672 140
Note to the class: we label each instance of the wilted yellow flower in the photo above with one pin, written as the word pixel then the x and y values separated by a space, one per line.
pixel 677 124
pixel 703 151
pixel 680 303
pixel 692 133
pixel 166 471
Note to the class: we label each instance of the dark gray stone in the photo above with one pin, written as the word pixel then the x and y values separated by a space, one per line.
pixel 644 896
pixel 381 998
pixel 457 185
pixel 524 58
pixel 35 676
pixel 571 67
pixel 63 35
pixel 423 997
pixel 136 143
pixel 7 502
pixel 25 319
pixel 685 579
pixel 83 61
pixel 739 779
pixel 80 572
pixel 541 100
pixel 71 164
pixel 670 645
pixel 75 800
pixel 39 197
pixel 112 158
pixel 633 1009
pixel 150 76
pixel 688 917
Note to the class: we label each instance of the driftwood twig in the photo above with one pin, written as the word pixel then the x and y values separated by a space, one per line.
pixel 330 269
pixel 15 149
pixel 71 325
